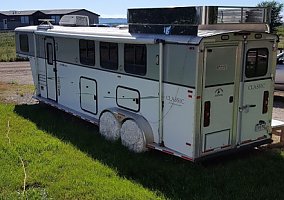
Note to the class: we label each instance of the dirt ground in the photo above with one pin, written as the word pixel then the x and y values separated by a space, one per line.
pixel 16 72
pixel 16 83
pixel 15 76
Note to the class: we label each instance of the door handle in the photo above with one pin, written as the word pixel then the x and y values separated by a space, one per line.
pixel 251 106
pixel 246 108
pixel 95 97
pixel 136 100
pixel 231 99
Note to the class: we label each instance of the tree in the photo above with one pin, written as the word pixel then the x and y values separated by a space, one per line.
pixel 276 9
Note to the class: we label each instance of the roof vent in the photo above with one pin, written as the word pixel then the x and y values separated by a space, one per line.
pixel 74 20
pixel 46 24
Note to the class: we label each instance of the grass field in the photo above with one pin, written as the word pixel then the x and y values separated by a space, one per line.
pixel 65 158
pixel 7 47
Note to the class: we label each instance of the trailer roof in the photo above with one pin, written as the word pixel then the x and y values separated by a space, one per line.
pixel 113 34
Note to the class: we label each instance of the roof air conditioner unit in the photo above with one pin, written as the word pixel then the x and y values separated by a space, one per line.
pixel 74 20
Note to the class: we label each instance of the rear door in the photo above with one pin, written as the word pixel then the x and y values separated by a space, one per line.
pixel 51 71
pixel 256 96
pixel 218 96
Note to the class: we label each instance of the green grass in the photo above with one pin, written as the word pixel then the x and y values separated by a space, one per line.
pixel 8 47
pixel 56 168
pixel 65 158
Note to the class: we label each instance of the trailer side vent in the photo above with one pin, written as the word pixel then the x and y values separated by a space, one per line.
pixel 74 20
pixel 207 108
pixel 265 102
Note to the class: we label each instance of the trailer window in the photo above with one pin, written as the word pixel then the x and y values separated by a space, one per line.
pixel 135 57
pixel 109 55
pixel 49 53
pixel 257 62
pixel 24 43
pixel 87 52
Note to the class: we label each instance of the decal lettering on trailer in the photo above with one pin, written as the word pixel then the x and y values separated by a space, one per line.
pixel 175 100
pixel 256 86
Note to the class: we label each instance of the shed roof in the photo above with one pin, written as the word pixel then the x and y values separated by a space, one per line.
pixel 47 12
pixel 17 12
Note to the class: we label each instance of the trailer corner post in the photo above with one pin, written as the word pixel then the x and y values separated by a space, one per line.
pixel 36 63
pixel 161 94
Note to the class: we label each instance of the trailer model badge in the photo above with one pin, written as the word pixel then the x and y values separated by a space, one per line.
pixel 260 126
pixel 219 92
pixel 221 67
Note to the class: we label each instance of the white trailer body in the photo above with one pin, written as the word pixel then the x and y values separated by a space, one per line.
pixel 214 95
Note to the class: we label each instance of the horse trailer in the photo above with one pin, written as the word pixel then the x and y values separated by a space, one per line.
pixel 193 82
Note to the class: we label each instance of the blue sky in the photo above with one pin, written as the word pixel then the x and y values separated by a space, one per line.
pixel 114 8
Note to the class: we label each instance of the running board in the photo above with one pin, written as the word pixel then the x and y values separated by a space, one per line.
pixel 169 151
pixel 68 110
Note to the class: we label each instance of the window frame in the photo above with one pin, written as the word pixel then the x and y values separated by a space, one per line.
pixel 49 53
pixel 24 47
pixel 90 48
pixel 25 19
pixel 107 64
pixel 132 67
pixel 256 68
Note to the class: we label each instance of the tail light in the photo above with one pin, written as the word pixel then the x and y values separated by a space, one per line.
pixel 207 107
pixel 265 102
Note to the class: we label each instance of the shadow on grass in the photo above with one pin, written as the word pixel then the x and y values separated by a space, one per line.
pixel 256 174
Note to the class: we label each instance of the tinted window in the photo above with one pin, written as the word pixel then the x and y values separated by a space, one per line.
pixel 49 52
pixel 24 43
pixel 135 59
pixel 87 52
pixel 257 62
pixel 109 55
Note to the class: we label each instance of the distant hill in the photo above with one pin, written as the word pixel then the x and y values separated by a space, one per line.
pixel 113 21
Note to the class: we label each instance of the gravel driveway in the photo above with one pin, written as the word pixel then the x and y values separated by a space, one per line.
pixel 16 72
pixel 20 73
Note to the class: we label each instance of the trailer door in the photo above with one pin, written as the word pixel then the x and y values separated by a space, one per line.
pixel 88 95
pixel 218 96
pixel 50 63
pixel 256 92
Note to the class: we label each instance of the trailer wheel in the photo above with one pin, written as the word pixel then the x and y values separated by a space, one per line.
pixel 109 126
pixel 133 137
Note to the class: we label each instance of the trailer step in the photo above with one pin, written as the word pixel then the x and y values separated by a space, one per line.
pixel 68 110
pixel 168 151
